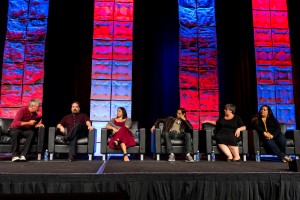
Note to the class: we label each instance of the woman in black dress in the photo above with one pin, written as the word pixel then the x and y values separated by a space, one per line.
pixel 227 132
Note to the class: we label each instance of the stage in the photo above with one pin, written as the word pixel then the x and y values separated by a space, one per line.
pixel 148 179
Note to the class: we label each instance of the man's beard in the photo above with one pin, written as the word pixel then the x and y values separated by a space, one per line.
pixel 75 111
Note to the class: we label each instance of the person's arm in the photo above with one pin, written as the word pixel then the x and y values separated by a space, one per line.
pixel 156 123
pixel 111 126
pixel 89 125
pixel 241 127
pixel 210 122
pixel 128 123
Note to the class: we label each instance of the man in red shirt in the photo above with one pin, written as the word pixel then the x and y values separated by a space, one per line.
pixel 77 125
pixel 23 125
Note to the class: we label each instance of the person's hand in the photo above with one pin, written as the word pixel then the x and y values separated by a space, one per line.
pixel 39 125
pixel 32 122
pixel 237 133
pixel 152 129
pixel 114 130
pixel 182 117
pixel 62 129
pixel 90 128
pixel 268 135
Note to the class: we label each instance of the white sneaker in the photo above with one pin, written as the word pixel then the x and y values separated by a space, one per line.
pixel 15 158
pixel 171 158
pixel 22 158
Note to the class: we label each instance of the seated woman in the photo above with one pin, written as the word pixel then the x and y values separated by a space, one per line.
pixel 228 130
pixel 269 131
pixel 122 137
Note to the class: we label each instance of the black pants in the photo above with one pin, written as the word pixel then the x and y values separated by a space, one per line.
pixel 183 136
pixel 16 134
pixel 78 131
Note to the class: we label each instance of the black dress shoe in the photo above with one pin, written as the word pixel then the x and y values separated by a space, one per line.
pixel 71 158
pixel 229 160
pixel 236 160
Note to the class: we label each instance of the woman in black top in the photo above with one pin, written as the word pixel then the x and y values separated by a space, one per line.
pixel 228 130
pixel 269 131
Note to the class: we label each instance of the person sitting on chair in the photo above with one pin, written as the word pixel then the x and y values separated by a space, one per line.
pixel 228 130
pixel 122 137
pixel 176 128
pixel 77 124
pixel 269 131
pixel 24 124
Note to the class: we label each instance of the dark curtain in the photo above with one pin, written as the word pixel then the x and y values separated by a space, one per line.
pixel 236 59
pixel 68 58
pixel 155 62
pixel 294 19
pixel 3 25
pixel 192 186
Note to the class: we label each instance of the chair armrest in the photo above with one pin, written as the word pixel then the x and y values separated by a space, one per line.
pixel 195 140
pixel 91 141
pixel 255 141
pixel 51 139
pixel 297 141
pixel 208 134
pixel 142 140
pixel 157 133
pixel 104 136
pixel 40 140
pixel 244 135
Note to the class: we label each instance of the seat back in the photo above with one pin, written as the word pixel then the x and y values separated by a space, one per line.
pixel 4 125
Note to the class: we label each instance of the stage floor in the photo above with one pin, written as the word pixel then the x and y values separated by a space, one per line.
pixel 115 165
pixel 148 179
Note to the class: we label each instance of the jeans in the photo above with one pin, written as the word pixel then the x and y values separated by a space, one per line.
pixel 276 145
pixel 168 136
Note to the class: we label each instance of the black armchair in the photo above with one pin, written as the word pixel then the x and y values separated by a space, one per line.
pixel 56 144
pixel 292 141
pixel 5 139
pixel 158 145
pixel 139 148
pixel 211 144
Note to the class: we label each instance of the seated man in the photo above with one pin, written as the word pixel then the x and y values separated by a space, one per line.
pixel 77 125
pixel 23 125
pixel 176 128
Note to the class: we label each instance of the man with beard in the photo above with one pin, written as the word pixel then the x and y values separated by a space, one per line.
pixel 74 126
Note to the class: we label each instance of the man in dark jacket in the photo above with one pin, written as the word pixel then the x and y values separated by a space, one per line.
pixel 176 128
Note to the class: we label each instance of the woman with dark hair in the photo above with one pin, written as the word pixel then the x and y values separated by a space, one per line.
pixel 269 131
pixel 122 137
pixel 227 132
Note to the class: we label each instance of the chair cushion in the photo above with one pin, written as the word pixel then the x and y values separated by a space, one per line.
pixel 137 141
pixel 214 143
pixel 175 142
pixel 59 140
pixel 6 139
pixel 289 143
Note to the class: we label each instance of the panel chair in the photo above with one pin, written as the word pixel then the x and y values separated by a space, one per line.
pixel 5 139
pixel 158 145
pixel 139 148
pixel 56 144
pixel 292 142
pixel 211 144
